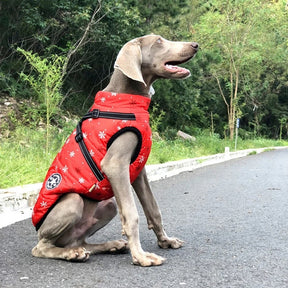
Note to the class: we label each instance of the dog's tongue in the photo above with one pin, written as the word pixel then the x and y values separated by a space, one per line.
pixel 177 69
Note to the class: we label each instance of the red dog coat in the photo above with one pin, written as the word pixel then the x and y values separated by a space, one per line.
pixel 70 172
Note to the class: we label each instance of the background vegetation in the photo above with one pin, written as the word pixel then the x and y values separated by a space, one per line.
pixel 55 55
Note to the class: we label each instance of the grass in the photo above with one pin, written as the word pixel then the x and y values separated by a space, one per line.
pixel 164 151
pixel 23 159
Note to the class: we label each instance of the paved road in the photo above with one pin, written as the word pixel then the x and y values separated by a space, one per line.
pixel 232 216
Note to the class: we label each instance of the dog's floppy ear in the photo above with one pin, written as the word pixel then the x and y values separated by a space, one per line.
pixel 129 61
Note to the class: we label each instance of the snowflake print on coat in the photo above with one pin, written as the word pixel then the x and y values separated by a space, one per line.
pixel 141 159
pixel 72 154
pixel 43 204
pixel 70 164
pixel 65 169
pixel 102 134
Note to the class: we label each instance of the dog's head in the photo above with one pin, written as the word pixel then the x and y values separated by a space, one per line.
pixel 150 57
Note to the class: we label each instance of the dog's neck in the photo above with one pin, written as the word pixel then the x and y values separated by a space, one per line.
pixel 120 83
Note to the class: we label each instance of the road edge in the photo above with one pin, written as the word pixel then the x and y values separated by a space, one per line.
pixel 16 202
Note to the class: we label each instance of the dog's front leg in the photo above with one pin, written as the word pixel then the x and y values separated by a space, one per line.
pixel 115 165
pixel 152 212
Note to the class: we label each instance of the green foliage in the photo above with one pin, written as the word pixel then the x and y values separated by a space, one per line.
pixel 46 83
pixel 245 39
pixel 48 79
pixel 156 117
pixel 23 157
pixel 238 38
pixel 164 151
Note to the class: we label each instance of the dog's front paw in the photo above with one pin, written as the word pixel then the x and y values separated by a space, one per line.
pixel 148 259
pixel 170 242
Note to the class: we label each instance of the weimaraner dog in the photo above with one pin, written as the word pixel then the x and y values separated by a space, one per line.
pixel 74 218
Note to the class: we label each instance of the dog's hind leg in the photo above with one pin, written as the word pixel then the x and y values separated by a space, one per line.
pixel 105 211
pixel 63 233
pixel 66 213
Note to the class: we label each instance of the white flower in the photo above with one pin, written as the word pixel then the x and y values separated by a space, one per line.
pixel 68 140
pixel 103 99
pixel 114 94
pixel 81 180
pixel 84 135
pixel 72 154
pixel 102 134
pixel 92 153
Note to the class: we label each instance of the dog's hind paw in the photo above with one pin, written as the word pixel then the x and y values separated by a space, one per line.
pixel 118 246
pixel 79 254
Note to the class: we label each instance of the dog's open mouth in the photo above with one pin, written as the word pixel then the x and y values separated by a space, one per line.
pixel 172 67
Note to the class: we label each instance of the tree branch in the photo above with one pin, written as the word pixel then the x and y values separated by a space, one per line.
pixel 221 91
pixel 81 42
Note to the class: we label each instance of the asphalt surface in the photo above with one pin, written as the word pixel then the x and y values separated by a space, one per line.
pixel 232 217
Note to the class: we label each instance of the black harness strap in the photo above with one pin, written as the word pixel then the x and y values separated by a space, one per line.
pixel 79 135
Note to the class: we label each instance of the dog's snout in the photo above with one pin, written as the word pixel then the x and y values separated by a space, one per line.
pixel 195 45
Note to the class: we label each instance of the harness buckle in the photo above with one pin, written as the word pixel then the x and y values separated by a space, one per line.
pixel 95 113
pixel 79 137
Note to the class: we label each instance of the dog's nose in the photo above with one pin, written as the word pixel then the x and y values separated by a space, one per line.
pixel 195 45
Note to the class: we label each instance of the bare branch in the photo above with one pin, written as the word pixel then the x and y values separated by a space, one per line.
pixel 221 91
pixel 81 42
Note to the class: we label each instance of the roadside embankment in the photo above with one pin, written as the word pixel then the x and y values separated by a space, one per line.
pixel 16 203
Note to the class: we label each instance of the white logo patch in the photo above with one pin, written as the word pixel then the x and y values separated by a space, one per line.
pixel 53 181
